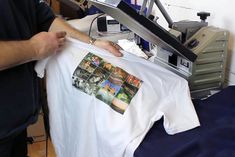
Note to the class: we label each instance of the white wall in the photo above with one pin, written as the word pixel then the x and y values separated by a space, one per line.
pixel 222 15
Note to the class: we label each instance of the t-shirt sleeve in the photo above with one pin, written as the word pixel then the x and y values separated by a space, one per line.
pixel 41 66
pixel 45 15
pixel 179 112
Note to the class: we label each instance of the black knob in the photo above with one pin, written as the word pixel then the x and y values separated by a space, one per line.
pixel 151 17
pixel 203 15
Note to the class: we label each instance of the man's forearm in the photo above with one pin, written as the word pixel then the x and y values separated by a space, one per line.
pixel 39 46
pixel 61 25
pixel 13 53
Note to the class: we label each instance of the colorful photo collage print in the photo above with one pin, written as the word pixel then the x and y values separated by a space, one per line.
pixel 108 83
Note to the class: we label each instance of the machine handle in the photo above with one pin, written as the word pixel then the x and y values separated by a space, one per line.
pixel 203 15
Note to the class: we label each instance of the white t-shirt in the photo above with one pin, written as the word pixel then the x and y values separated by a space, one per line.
pixel 85 121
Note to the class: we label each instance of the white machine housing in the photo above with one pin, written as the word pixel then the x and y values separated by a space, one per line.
pixel 208 71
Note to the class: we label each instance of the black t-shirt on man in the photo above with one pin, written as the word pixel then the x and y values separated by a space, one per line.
pixel 20 20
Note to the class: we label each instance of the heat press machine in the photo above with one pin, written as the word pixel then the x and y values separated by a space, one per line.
pixel 191 49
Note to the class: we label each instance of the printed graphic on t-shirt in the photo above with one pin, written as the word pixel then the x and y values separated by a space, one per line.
pixel 108 83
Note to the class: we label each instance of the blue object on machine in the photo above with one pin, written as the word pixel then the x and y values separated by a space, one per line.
pixel 93 10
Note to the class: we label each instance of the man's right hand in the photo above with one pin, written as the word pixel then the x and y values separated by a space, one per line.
pixel 47 43
pixel 40 46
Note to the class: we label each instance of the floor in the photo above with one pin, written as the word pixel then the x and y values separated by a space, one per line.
pixel 38 149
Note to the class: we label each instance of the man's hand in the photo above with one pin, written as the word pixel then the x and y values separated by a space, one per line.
pixel 47 43
pixel 109 46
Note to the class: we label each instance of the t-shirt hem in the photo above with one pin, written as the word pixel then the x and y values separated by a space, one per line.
pixel 182 129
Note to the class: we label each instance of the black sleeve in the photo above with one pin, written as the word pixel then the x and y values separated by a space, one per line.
pixel 45 15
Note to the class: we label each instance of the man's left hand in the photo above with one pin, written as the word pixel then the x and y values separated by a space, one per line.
pixel 109 46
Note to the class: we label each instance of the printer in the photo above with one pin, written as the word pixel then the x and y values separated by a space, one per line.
pixel 191 49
